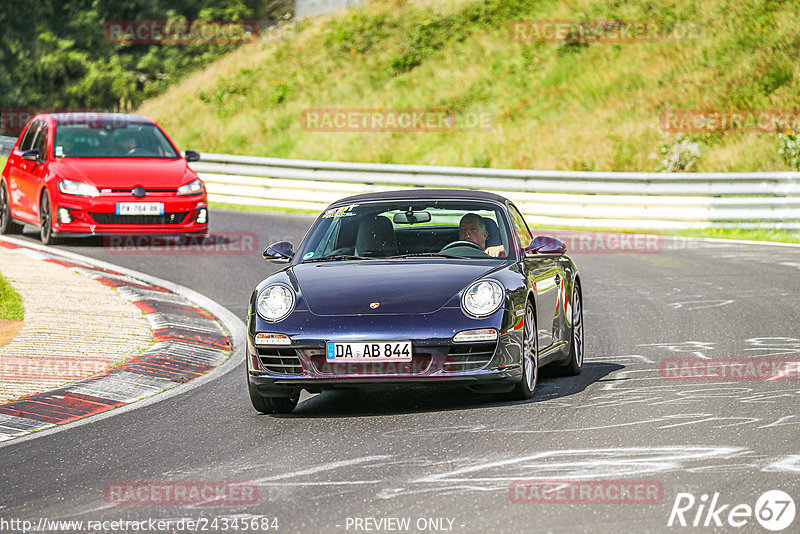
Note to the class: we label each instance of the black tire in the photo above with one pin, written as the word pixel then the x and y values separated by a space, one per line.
pixel 260 403
pixel 530 359
pixel 7 226
pixel 284 404
pixel 46 220
pixel 573 365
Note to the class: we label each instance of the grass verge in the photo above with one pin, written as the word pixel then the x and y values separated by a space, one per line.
pixel 571 105
pixel 11 306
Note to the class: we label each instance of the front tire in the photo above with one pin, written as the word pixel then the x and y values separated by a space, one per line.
pixel 575 362
pixel 46 220
pixel 260 403
pixel 284 404
pixel 7 226
pixel 530 358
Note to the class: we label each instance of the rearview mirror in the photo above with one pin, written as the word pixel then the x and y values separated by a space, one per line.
pixel 191 155
pixel 412 217
pixel 280 252
pixel 545 245
pixel 31 155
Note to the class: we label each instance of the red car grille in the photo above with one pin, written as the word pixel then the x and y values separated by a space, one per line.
pixel 112 218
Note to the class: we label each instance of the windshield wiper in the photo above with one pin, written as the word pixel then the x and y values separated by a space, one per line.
pixel 425 255
pixel 342 257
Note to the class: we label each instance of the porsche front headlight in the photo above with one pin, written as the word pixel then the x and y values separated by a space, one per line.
pixel 482 298
pixel 275 302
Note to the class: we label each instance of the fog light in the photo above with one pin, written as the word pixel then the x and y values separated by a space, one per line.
pixel 481 334
pixel 272 339
pixel 63 216
pixel 202 216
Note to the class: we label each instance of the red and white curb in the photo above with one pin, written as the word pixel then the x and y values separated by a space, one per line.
pixel 193 337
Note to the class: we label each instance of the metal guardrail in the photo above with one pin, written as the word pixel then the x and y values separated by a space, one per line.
pixel 6 144
pixel 567 198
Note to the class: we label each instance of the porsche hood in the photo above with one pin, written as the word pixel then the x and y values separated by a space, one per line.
pixel 396 286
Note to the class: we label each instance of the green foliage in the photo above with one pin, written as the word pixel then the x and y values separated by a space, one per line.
pixel 11 306
pixel 54 54
pixel 789 147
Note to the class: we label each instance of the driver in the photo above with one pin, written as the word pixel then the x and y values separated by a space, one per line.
pixel 472 228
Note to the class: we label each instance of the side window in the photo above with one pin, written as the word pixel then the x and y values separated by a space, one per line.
pixel 520 227
pixel 41 141
pixel 27 138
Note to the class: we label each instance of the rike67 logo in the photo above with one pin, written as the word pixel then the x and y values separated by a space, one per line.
pixel 774 510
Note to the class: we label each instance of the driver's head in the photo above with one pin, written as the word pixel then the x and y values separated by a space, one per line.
pixel 127 144
pixel 472 228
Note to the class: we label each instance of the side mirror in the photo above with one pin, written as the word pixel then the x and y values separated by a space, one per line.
pixel 545 245
pixel 280 252
pixel 191 155
pixel 32 155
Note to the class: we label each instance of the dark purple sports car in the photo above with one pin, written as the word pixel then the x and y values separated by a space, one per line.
pixel 418 286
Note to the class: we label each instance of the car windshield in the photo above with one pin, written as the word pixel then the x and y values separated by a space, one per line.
pixel 112 141
pixel 407 229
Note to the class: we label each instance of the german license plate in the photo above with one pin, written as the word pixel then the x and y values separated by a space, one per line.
pixel 369 351
pixel 140 208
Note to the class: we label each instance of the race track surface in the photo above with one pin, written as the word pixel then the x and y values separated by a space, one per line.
pixel 447 458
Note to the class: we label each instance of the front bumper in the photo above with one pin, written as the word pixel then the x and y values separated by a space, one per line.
pixel 284 370
pixel 97 216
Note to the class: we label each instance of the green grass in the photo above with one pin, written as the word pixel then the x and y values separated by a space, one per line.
pixel 3 161
pixel 269 209
pixel 592 106
pixel 11 306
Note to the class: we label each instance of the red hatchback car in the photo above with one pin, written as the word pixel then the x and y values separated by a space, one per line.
pixel 76 174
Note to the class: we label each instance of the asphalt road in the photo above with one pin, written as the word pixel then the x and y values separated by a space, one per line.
pixel 447 459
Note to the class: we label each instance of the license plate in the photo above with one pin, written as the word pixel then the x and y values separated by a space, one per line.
pixel 369 351
pixel 140 208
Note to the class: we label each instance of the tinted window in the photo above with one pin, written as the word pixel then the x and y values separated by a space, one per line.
pixel 41 140
pixel 112 141
pixel 388 229
pixel 28 136
pixel 520 227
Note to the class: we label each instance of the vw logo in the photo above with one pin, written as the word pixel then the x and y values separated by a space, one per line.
pixel 139 191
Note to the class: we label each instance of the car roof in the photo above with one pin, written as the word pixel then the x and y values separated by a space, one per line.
pixel 94 117
pixel 423 194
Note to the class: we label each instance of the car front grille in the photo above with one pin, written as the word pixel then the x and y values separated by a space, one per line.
pixel 282 361
pixel 420 362
pixel 112 218
pixel 468 356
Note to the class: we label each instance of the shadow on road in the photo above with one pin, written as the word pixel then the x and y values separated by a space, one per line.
pixel 407 399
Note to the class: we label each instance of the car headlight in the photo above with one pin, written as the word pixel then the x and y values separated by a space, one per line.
pixel 482 298
pixel 68 187
pixel 192 188
pixel 275 302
